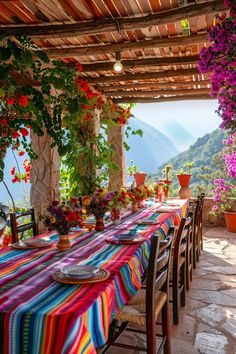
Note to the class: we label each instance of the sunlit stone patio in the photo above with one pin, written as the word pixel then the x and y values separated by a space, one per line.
pixel 208 322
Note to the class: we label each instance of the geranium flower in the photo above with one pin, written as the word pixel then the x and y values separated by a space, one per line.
pixel 11 101
pixel 4 122
pixel 24 131
pixel 15 135
pixel 23 101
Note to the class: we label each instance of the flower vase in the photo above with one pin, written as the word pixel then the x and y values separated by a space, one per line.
pixel 140 204
pixel 63 244
pixel 99 223
pixel 116 215
pixel 134 207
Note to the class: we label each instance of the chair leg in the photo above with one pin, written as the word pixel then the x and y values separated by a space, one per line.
pixel 175 296
pixel 166 328
pixel 183 285
pixel 187 266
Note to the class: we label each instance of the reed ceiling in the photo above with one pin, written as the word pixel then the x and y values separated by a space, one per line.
pixel 159 55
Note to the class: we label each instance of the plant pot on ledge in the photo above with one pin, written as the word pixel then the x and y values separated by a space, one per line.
pixel 184 181
pixel 230 219
pixel 139 178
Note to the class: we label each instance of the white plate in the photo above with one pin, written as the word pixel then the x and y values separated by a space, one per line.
pixel 35 242
pixel 79 271
pixel 124 237
pixel 147 222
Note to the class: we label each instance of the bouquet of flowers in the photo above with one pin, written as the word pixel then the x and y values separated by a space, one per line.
pixel 62 217
pixel 99 203
pixel 119 200
pixel 137 194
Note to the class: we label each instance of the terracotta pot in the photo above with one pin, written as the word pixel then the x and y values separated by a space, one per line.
pixel 230 219
pixel 99 223
pixel 140 204
pixel 184 180
pixel 116 215
pixel 134 207
pixel 63 244
pixel 140 178
pixel 185 193
pixel 167 181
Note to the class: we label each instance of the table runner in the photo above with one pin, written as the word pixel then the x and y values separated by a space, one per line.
pixel 38 315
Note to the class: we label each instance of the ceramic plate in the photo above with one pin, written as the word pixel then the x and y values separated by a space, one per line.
pixel 124 237
pixel 147 222
pixel 79 271
pixel 35 241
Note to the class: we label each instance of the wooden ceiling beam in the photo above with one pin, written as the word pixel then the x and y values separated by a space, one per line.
pixel 140 85
pixel 69 52
pixel 161 99
pixel 119 24
pixel 131 64
pixel 143 76
pixel 155 93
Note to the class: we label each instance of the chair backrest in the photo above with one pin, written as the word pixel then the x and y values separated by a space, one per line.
pixel 2 224
pixel 18 229
pixel 180 243
pixel 4 211
pixel 157 276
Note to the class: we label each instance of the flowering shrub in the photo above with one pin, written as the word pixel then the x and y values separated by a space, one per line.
pixel 223 194
pixel 99 203
pixel 230 154
pixel 219 59
pixel 62 217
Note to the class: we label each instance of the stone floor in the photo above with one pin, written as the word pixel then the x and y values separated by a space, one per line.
pixel 208 322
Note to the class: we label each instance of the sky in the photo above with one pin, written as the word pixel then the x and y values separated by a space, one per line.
pixel 182 121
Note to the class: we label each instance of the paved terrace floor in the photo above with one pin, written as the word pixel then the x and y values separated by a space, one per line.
pixel 208 322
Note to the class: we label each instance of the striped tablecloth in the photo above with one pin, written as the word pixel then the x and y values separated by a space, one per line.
pixel 41 316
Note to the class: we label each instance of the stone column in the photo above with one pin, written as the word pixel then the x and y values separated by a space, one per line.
pixel 44 173
pixel 117 177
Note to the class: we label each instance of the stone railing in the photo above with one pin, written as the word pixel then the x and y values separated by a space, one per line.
pixel 208 218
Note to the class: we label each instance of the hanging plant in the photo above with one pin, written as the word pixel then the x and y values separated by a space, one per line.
pixel 219 60
pixel 34 96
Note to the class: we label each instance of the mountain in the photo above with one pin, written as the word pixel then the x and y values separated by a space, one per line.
pixel 201 153
pixel 150 151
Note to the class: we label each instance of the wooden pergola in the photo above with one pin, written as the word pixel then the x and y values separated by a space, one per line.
pixel 158 40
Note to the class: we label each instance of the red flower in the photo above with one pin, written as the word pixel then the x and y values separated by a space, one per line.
pixel 21 153
pixel 89 95
pixel 13 171
pixel 11 101
pixel 15 179
pixel 73 200
pixel 15 135
pixel 80 67
pixel 23 101
pixel 24 131
pixel 55 202
pixel 4 122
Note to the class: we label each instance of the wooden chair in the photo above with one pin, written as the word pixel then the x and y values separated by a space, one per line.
pixel 189 251
pixel 178 271
pixel 143 309
pixel 18 229
pixel 4 211
pixel 2 225
pixel 200 234
pixel 195 209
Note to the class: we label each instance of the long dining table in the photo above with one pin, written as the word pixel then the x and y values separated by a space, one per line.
pixel 41 316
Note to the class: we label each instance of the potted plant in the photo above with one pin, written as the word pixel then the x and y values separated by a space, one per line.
pixel 166 172
pixel 183 177
pixel 225 202
pixel 139 177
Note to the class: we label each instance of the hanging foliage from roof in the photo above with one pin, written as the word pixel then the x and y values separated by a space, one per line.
pixel 219 59
pixel 41 95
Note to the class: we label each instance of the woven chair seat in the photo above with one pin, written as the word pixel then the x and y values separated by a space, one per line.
pixel 135 310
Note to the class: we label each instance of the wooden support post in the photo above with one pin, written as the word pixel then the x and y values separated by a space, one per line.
pixel 44 174
pixel 117 178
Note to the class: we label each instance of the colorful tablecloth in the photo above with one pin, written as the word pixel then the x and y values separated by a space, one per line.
pixel 41 316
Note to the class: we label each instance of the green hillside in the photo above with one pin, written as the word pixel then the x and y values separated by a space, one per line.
pixel 207 163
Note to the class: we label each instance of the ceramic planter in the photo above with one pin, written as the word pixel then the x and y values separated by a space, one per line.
pixel 63 244
pixel 139 178
pixel 184 180
pixel 230 219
